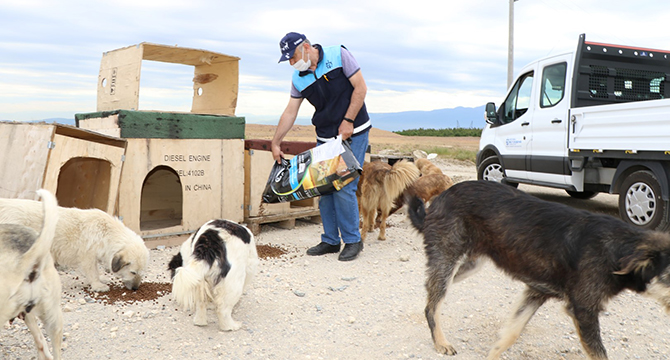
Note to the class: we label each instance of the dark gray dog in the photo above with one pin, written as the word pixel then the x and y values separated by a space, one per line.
pixel 581 258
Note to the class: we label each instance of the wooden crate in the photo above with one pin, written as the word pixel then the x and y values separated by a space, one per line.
pixel 215 80
pixel 258 162
pixel 82 168
pixel 181 171
pixel 173 186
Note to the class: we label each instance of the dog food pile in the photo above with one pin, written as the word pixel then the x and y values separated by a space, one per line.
pixel 119 294
pixel 149 291
pixel 269 251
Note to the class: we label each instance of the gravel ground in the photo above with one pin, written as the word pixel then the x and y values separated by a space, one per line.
pixel 302 307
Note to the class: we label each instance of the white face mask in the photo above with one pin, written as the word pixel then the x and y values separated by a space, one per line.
pixel 301 65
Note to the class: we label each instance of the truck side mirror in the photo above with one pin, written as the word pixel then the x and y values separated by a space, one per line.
pixel 490 114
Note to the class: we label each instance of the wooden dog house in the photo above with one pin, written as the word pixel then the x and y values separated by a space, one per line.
pixel 177 175
pixel 82 168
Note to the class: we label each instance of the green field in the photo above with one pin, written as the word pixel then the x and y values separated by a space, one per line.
pixel 449 132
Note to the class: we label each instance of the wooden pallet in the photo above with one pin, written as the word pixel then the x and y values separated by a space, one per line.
pixel 285 221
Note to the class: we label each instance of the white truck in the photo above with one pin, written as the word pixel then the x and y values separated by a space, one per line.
pixel 593 120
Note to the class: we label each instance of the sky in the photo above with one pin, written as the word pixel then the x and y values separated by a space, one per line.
pixel 414 55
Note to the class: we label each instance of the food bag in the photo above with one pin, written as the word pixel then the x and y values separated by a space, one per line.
pixel 319 171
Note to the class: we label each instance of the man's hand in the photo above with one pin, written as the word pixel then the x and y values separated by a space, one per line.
pixel 346 129
pixel 277 154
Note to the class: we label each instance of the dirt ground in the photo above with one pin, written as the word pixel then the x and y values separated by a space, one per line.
pixel 379 139
pixel 302 307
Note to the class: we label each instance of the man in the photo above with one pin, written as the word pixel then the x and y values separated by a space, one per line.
pixel 331 80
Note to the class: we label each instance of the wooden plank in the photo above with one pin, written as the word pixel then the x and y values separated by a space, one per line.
pixel 119 79
pixel 287 147
pixel 169 125
pixel 25 153
pixel 215 88
pixel 232 179
pixel 106 123
pixel 183 55
pixel 153 243
pixel 85 134
pixel 285 219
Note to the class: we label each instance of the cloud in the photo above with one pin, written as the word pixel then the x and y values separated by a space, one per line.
pixel 414 56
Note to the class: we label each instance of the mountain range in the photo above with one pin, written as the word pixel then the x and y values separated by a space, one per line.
pixel 459 117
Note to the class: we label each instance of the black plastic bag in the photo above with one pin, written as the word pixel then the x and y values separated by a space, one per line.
pixel 308 174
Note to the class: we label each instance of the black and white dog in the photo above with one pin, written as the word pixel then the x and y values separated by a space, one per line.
pixel 214 264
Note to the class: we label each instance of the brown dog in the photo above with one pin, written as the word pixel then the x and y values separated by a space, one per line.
pixel 426 167
pixel 381 185
pixel 428 186
pixel 581 258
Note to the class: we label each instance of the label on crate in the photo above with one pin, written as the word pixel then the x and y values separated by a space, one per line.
pixel 187 167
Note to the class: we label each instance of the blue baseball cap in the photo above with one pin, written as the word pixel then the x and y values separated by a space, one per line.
pixel 289 43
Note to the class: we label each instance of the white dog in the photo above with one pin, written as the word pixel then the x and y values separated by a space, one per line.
pixel 85 238
pixel 214 264
pixel 29 283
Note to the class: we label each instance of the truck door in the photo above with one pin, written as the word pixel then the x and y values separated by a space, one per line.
pixel 513 133
pixel 548 147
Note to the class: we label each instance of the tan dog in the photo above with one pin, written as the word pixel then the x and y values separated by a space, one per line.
pixel 30 287
pixel 85 238
pixel 428 186
pixel 426 167
pixel 382 184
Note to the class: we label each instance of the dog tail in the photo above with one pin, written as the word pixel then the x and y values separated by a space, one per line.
pixel 189 285
pixel 402 175
pixel 42 244
pixel 416 212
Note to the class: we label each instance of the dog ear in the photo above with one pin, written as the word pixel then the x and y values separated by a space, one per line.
pixel 643 264
pixel 118 262
pixel 175 263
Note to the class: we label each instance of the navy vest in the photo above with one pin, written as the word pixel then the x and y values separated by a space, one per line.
pixel 329 91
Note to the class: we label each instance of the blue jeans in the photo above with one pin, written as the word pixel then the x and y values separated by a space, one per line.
pixel 339 210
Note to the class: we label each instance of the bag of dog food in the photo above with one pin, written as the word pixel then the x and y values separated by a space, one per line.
pixel 319 171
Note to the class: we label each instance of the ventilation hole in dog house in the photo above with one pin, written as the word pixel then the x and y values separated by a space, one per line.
pixel 84 183
pixel 162 199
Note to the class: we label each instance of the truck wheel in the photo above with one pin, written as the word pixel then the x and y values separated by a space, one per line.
pixel 491 170
pixel 581 195
pixel 640 201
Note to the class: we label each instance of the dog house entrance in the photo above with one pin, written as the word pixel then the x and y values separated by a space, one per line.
pixel 84 183
pixel 162 199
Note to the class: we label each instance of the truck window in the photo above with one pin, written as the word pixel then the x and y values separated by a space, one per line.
pixel 553 85
pixel 518 100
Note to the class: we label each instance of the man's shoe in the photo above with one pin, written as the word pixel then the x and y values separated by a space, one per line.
pixel 323 248
pixel 351 251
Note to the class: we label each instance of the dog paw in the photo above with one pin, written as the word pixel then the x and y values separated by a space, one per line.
pixel 445 349
pixel 231 326
pixel 200 319
pixel 99 287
